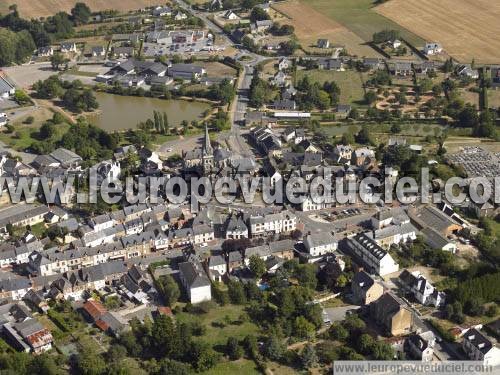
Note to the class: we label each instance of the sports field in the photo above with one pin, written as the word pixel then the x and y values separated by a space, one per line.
pixel 466 29
pixel 44 8
pixel 311 25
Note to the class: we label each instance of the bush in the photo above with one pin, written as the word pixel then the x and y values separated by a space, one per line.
pixel 29 120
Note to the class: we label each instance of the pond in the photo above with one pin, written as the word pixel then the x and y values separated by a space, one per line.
pixel 118 112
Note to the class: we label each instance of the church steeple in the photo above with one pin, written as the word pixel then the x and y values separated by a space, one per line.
pixel 207 146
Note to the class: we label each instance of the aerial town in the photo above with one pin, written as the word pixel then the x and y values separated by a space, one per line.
pixel 140 95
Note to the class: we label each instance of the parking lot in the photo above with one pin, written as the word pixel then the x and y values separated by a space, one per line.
pixel 154 49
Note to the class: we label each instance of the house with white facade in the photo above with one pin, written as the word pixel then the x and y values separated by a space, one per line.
pixel 371 255
pixel 322 243
pixel 195 281
pixel 236 228
pixel 217 267
pixel 479 347
pixel 420 346
pixel 282 222
pixel 422 289
pixel 432 48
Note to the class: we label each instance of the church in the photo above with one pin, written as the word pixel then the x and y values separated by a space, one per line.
pixel 200 158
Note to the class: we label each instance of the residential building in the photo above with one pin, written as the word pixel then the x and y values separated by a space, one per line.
pixel 283 63
pixel 29 335
pixel 217 267
pixel 322 243
pixel 423 291
pixel 400 68
pixel 161 11
pixel 195 281
pixel 371 255
pixel 236 228
pixel 282 222
pixel 98 51
pixel 432 48
pixel 285 104
pixel 7 88
pixel 230 15
pixel 45 51
pixel 261 26
pixel 394 234
pixel 365 289
pixel 68 47
pixel 420 346
pixel 429 216
pixel 323 43
pixel 392 314
pixel 479 347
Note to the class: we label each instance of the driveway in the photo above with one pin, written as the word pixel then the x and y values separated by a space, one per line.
pixel 337 314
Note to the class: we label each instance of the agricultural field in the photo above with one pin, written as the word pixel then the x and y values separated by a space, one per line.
pixel 350 83
pixel 467 30
pixel 358 17
pixel 312 24
pixel 43 8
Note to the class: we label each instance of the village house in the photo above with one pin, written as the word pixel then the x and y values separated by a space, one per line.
pixel 68 47
pixel 28 335
pixel 423 291
pixel 186 71
pixel 479 347
pixel 195 281
pixel 319 244
pixel 437 241
pixel 217 267
pixel 420 346
pixel 432 48
pixel 45 51
pixel 283 222
pixel 365 289
pixel 323 43
pixel 98 51
pixel 236 228
pixel 400 68
pixel 161 11
pixel 230 15
pixel 392 314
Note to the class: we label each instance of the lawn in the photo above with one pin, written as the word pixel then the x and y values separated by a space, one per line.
pixel 218 334
pixel 360 17
pixel 350 83
pixel 24 135
pixel 494 98
pixel 241 367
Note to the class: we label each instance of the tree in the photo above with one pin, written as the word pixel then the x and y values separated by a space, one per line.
pixel 308 356
pixel 234 349
pixel 338 332
pixel 236 293
pixel 203 356
pixel 303 328
pixel 56 60
pixel 364 136
pixel 257 266
pixel 395 128
pixel 258 14
pixel 47 130
pixel 80 13
pixel 89 362
pixel 370 97
pixel 166 125
pixel 274 348
pixel 468 117
pixel 385 36
pixel 168 289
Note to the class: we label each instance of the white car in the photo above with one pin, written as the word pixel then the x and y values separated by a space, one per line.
pixel 169 150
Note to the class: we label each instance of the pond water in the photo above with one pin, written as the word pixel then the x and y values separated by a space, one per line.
pixel 125 112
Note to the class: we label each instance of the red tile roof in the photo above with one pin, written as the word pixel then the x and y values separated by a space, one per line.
pixel 94 308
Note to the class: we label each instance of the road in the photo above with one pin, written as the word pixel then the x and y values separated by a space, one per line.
pixel 239 106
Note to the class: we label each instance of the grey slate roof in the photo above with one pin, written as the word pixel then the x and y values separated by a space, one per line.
pixel 193 274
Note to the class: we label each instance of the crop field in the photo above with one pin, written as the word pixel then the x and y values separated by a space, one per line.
pixel 466 29
pixel 311 25
pixel 44 8
pixel 359 17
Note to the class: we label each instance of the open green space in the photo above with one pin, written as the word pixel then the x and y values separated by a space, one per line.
pixel 349 81
pixel 221 323
pixel 360 17
pixel 241 367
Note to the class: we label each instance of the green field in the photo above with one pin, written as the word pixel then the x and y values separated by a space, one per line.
pixel 217 334
pixel 358 16
pixel 240 367
pixel 350 83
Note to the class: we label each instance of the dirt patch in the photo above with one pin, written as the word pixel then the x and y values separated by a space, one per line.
pixel 466 29
pixel 44 8
pixel 310 25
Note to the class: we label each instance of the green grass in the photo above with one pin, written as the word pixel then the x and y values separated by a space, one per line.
pixel 219 335
pixel 350 83
pixel 24 135
pixel 240 367
pixel 360 17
